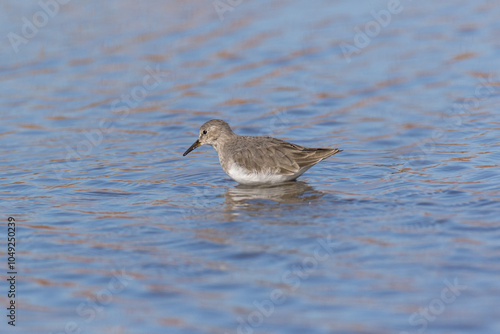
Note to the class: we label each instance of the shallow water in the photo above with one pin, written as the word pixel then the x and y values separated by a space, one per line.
pixel 118 233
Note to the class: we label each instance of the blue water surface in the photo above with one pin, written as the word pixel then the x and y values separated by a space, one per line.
pixel 116 232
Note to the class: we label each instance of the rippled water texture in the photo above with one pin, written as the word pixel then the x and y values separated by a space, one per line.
pixel 118 233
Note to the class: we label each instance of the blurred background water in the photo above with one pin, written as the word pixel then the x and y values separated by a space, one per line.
pixel 118 233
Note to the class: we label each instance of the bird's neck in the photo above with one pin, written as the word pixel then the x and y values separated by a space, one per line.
pixel 223 140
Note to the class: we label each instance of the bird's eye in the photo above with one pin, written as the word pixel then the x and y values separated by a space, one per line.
pixel 204 132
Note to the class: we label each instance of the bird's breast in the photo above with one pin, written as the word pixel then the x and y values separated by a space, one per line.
pixel 252 177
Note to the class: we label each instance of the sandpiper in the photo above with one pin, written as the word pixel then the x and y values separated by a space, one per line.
pixel 258 160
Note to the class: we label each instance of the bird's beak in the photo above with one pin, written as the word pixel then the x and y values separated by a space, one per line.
pixel 195 145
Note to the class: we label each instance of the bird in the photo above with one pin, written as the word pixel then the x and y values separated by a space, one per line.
pixel 258 160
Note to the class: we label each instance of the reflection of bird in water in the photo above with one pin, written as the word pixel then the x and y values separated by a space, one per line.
pixel 290 192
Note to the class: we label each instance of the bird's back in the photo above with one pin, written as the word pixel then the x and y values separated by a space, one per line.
pixel 267 153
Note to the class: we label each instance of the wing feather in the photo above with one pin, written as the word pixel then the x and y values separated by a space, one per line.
pixel 278 156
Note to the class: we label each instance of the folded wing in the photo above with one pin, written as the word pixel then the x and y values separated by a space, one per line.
pixel 280 156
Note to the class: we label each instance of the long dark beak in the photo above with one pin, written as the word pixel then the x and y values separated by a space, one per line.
pixel 195 145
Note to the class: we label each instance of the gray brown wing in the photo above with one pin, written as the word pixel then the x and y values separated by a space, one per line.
pixel 279 156
pixel 305 156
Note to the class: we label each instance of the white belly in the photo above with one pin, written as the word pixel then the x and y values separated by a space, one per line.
pixel 247 177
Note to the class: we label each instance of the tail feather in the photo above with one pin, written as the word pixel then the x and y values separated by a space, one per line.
pixel 314 156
